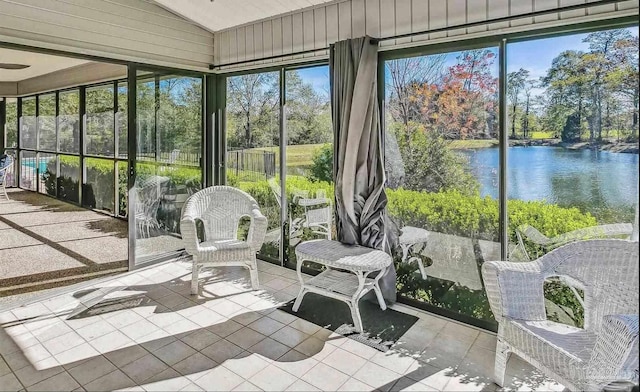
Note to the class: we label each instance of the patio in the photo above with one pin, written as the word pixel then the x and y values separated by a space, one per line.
pixel 47 242
pixel 143 331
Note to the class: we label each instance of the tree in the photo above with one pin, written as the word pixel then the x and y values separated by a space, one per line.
pixel 308 113
pixel 529 85
pixel 515 85
pixel 253 100
pixel 405 76
pixel 600 62
pixel 571 130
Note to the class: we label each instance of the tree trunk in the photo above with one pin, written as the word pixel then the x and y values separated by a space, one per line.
pixel 513 120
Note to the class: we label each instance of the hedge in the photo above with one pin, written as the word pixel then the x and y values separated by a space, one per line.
pixel 99 190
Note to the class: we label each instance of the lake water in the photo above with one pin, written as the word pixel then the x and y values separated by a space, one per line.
pixel 591 180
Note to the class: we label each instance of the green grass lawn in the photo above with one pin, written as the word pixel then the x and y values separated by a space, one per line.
pixel 297 156
pixel 465 144
pixel 542 135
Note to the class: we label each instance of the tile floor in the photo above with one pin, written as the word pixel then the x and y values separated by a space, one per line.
pixel 144 331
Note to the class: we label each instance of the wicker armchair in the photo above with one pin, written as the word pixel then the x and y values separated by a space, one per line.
pixel 581 359
pixel 6 167
pixel 530 233
pixel 220 209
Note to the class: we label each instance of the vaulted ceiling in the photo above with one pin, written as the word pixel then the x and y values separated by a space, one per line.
pixel 216 15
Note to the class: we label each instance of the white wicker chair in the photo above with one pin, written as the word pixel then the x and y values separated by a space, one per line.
pixel 580 359
pixel 5 171
pixel 220 209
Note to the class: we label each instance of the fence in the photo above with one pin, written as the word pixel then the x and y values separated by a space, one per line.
pixel 175 157
pixel 251 165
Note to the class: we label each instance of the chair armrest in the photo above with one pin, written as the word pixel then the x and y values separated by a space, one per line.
pixel 189 234
pixel 615 355
pixel 257 229
pixel 514 290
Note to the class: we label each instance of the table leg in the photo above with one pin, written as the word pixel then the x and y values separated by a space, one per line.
pixel 303 291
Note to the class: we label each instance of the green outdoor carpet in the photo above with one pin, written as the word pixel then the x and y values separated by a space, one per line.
pixel 382 328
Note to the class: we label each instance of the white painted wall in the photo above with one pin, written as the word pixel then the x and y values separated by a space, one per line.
pixel 131 30
pixel 318 27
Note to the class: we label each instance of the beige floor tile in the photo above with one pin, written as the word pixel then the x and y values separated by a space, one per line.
pixel 156 339
pixel 246 364
pixel 358 348
pixel 60 382
pixel 486 340
pixel 191 387
pixel 433 377
pixel 355 386
pixel 121 319
pixel 219 379
pixel 377 376
pixel 144 368
pixel 174 352
pixel 266 325
pixel 273 378
pixel 76 355
pixel 246 387
pixel 245 337
pixel 305 326
pixel 29 376
pixel 91 369
pixel 110 342
pixel 406 384
pixel 9 382
pixel 283 317
pixel 224 307
pixel 301 386
pixel 63 342
pixel 270 349
pixel 126 355
pixel 115 380
pixel 181 326
pixel 295 363
pixel 95 330
pixel 4 368
pixel 397 361
pixel 139 329
pixel 225 328
pixel 200 338
pixel 344 361
pixel 222 350
pixel 325 377
pixel 206 318
pixel 289 336
pixel 30 356
pixel 194 364
pixel 168 380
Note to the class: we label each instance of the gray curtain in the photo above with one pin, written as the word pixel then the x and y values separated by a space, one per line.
pixel 358 162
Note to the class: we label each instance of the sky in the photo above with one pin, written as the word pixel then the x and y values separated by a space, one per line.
pixel 535 56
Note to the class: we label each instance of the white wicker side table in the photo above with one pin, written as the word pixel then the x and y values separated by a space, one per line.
pixel 347 275
pixel 413 237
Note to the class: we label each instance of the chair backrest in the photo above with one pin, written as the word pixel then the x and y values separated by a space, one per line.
pixel 607 271
pixel 220 208
pixel 5 168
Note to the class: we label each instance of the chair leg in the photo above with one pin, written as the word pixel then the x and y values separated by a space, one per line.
pixel 194 277
pixel 253 272
pixel 503 353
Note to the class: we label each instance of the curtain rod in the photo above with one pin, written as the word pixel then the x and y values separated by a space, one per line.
pixel 375 41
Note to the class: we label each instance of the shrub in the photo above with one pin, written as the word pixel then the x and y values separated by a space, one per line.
pixel 322 166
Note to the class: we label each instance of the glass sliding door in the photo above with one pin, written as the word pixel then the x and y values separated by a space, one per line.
pixel 309 156
pixel 573 156
pixel 168 157
pixel 11 135
pixel 253 147
pixel 441 153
